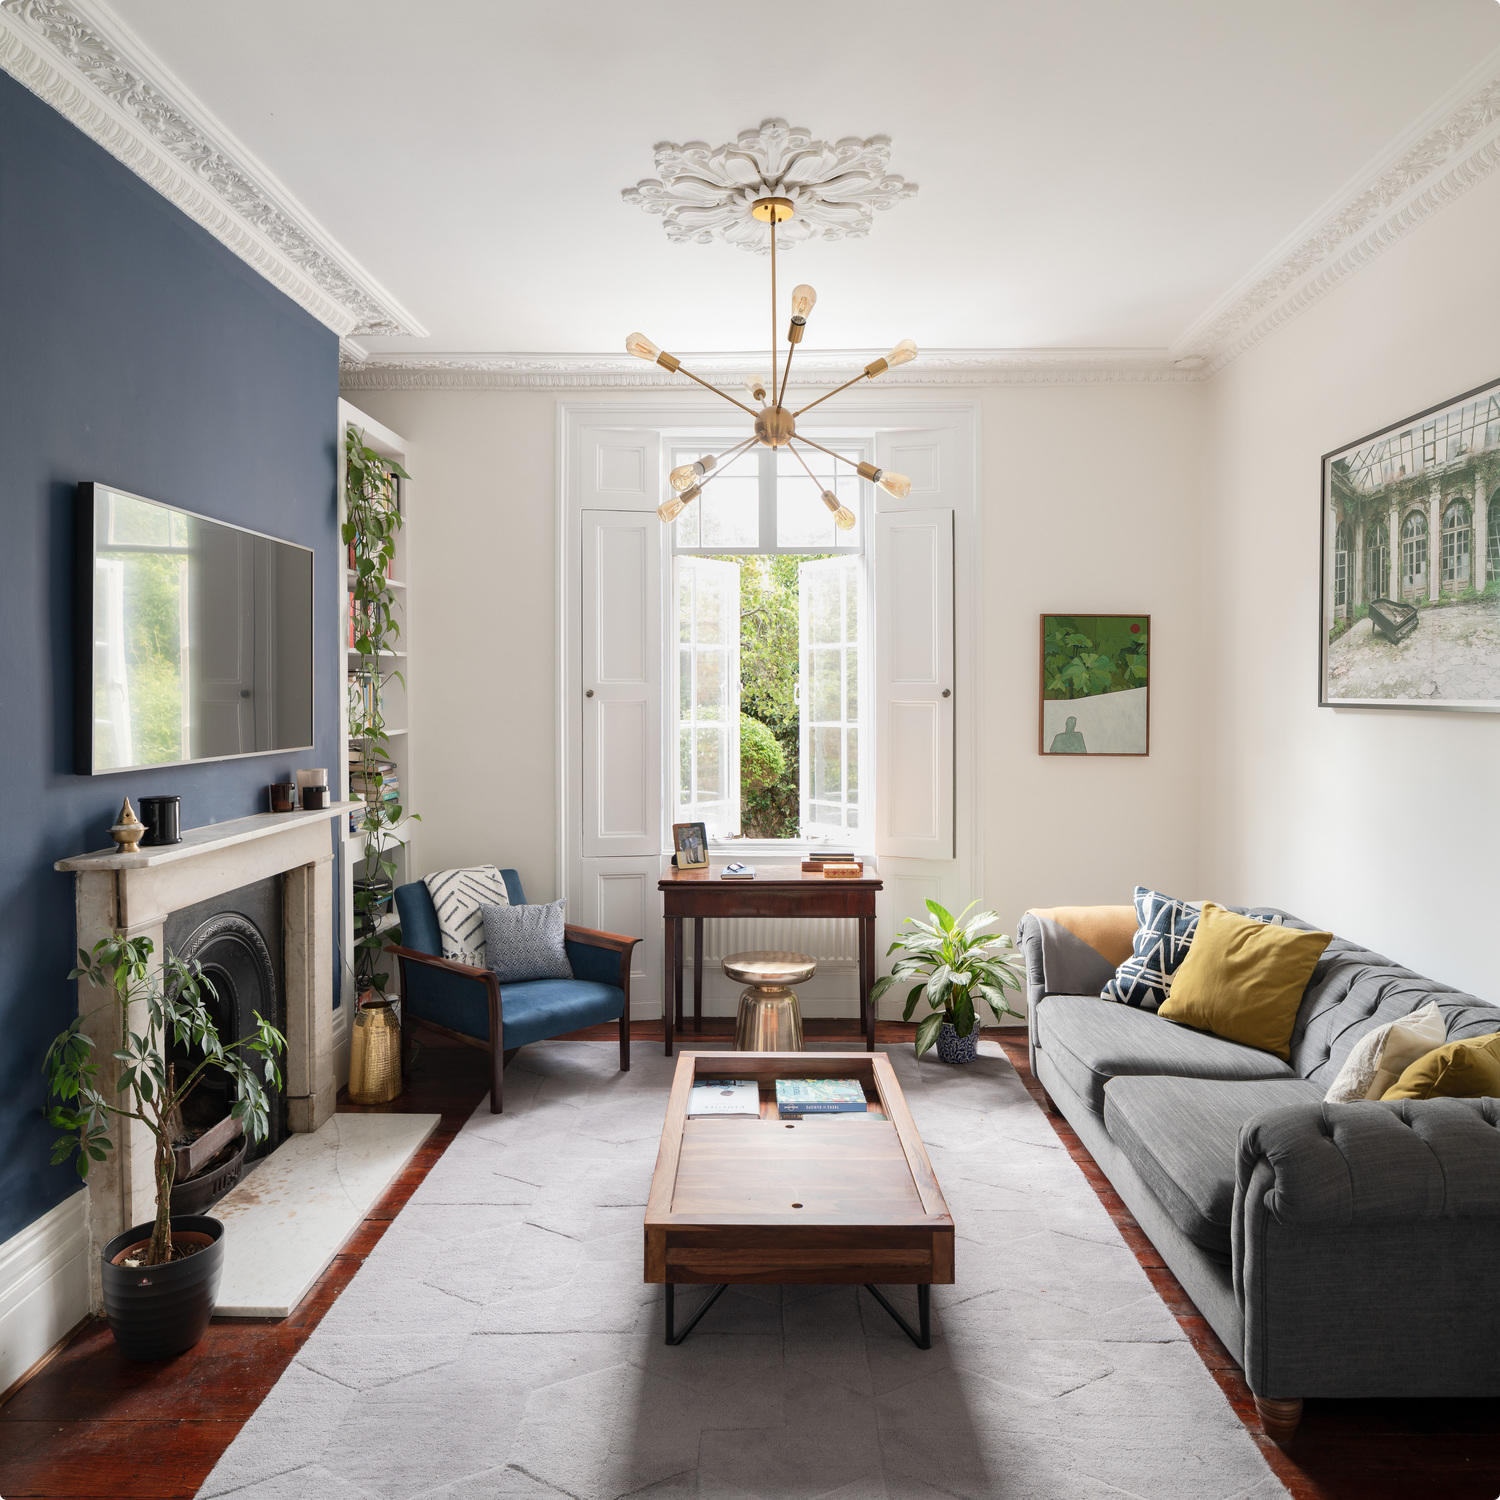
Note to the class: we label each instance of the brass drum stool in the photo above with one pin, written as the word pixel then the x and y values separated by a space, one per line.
pixel 770 1020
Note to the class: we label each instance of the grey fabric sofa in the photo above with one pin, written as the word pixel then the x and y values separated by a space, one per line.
pixel 1337 1249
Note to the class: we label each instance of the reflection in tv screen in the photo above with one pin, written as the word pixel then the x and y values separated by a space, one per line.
pixel 201 636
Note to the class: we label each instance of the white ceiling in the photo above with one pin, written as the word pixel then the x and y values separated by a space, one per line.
pixel 1093 174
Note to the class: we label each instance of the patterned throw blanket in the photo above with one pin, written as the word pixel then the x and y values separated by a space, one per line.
pixel 458 895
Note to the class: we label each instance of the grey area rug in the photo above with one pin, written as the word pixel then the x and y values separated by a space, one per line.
pixel 499 1341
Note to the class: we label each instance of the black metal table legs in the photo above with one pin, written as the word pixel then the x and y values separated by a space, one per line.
pixel 673 1337
pixel 921 1335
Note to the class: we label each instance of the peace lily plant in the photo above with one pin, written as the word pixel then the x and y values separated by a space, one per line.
pixel 955 964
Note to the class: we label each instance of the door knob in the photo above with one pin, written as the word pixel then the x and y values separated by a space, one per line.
pixel 589 694
pixel 947 692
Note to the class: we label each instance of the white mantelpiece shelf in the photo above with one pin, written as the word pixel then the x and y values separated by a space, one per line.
pixel 205 840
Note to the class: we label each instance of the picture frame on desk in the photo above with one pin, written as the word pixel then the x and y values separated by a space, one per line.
pixel 690 843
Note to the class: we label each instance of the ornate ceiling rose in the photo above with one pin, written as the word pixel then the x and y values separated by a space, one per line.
pixel 709 192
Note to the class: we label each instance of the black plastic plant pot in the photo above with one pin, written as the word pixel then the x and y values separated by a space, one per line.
pixel 155 1312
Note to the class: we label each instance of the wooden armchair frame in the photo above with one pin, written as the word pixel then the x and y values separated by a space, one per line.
pixel 610 941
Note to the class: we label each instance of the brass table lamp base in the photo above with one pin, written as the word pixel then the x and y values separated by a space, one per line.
pixel 770 1019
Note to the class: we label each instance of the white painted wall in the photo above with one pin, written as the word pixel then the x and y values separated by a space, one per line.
pixel 1091 501
pixel 1382 824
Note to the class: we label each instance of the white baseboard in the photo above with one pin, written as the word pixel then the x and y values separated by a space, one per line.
pixel 44 1285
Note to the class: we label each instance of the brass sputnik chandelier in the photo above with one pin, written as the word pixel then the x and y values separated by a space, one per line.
pixel 775 425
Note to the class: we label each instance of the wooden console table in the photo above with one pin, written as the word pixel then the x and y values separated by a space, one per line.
pixel 776 891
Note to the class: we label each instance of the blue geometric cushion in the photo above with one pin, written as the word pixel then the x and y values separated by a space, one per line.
pixel 1164 933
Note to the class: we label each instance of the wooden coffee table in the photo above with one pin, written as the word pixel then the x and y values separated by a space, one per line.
pixel 836 1198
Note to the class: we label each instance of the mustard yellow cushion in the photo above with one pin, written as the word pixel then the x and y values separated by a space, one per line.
pixel 1243 980
pixel 1456 1070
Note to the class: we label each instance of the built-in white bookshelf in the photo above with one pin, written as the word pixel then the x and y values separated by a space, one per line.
pixel 397 698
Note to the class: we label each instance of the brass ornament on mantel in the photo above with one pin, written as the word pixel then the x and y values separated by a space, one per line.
pixel 127 829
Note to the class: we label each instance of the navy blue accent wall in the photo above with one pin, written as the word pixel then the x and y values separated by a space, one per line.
pixel 136 350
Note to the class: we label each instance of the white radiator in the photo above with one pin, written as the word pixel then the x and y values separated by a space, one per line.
pixel 830 940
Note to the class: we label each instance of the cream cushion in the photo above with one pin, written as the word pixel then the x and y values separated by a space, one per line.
pixel 1381 1056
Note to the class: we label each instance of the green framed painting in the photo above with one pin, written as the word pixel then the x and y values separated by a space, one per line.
pixel 1095 685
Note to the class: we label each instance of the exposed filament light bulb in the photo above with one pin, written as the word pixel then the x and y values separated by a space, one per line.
pixel 898 486
pixel 686 475
pixel 902 354
pixel 843 517
pixel 642 347
pixel 758 385
pixel 674 505
pixel 804 299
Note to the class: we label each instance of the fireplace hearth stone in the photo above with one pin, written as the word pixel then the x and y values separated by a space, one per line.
pixel 135 894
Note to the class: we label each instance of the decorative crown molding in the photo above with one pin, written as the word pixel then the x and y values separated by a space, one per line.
pixel 80 58
pixel 940 367
pixel 1452 147
pixel 706 192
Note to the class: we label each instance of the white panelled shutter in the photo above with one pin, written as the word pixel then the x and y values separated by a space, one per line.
pixel 621 675
pixel 828 621
pixel 914 683
pixel 708 694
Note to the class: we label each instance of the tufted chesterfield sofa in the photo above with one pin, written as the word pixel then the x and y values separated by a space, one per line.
pixel 1337 1249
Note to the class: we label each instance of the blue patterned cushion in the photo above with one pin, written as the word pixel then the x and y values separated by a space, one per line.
pixel 1164 933
pixel 1164 930
pixel 526 942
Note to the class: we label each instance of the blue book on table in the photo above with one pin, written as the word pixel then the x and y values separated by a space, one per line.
pixel 819 1096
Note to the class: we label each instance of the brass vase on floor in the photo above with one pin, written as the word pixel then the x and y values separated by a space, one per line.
pixel 375 1054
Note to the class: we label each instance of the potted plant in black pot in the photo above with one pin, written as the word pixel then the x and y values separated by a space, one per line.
pixel 955 964
pixel 160 1279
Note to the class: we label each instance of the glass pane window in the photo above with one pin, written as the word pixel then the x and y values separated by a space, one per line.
pixel 1492 544
pixel 829 639
pixel 708 658
pixel 768 659
pixel 1414 553
pixel 1377 563
pixel 802 516
pixel 1457 540
pixel 1341 568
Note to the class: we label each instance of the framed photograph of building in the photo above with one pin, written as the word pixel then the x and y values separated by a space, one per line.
pixel 1410 594
pixel 1095 685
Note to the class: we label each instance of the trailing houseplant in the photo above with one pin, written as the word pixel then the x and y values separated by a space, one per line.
pixel 372 520
pixel 956 965
pixel 166 1311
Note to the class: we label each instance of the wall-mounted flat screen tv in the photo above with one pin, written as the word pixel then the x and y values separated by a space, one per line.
pixel 196 637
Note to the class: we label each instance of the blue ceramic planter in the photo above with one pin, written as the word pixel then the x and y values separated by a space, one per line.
pixel 953 1048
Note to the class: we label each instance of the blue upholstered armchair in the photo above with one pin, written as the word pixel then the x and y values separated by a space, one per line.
pixel 469 1002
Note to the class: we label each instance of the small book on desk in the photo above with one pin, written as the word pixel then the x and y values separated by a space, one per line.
pixel 796 1097
pixel 737 871
pixel 739 1097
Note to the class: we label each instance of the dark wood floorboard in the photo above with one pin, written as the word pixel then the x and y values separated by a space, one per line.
pixel 90 1425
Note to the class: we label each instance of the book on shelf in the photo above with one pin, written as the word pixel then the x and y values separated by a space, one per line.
pixel 830 856
pixel 796 1097
pixel 737 1097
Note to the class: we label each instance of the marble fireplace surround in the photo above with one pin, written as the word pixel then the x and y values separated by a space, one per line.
pixel 133 894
